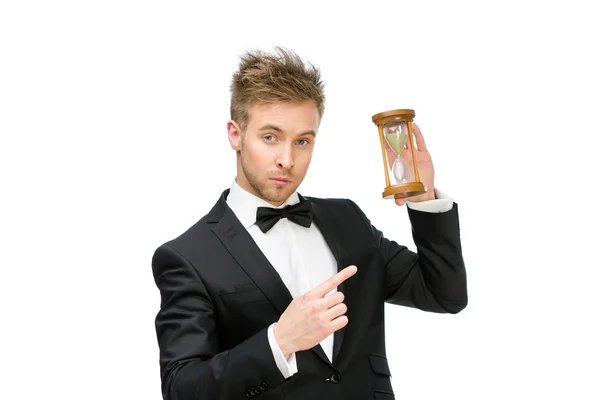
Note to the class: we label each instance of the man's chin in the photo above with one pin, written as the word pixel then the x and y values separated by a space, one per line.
pixel 278 194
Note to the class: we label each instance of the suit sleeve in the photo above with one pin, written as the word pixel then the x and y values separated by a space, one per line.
pixel 192 367
pixel 432 279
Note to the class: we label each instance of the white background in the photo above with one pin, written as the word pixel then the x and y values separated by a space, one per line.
pixel 113 141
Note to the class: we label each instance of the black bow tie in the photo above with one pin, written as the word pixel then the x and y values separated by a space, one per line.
pixel 301 213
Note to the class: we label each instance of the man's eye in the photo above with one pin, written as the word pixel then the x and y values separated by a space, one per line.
pixel 269 138
pixel 302 142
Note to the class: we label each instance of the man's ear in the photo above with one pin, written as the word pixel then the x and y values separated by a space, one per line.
pixel 235 135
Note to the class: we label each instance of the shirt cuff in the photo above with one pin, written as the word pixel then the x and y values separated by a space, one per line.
pixel 286 367
pixel 442 203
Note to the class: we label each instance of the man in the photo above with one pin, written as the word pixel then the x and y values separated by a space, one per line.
pixel 275 295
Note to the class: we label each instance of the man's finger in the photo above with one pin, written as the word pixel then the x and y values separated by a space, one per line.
pixel 421 146
pixel 336 311
pixel 331 283
pixel 400 202
pixel 331 300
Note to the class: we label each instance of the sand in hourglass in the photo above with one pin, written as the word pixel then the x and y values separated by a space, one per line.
pixel 396 141
pixel 400 168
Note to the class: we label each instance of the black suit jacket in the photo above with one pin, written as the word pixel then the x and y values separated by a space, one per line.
pixel 219 294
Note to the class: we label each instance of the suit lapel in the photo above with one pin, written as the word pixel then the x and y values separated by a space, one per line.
pixel 330 230
pixel 247 254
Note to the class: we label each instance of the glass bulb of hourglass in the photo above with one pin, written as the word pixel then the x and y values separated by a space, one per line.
pixel 396 136
pixel 402 171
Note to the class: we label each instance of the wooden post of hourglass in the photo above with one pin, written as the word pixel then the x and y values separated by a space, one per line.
pixel 384 156
pixel 412 146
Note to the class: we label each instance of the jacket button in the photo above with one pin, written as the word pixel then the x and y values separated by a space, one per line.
pixel 248 395
pixel 335 378
pixel 263 386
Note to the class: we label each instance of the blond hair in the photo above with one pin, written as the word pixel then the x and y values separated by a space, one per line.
pixel 269 78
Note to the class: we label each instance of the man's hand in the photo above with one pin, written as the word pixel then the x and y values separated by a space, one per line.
pixel 312 317
pixel 424 164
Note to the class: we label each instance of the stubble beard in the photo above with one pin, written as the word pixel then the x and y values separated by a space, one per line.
pixel 276 195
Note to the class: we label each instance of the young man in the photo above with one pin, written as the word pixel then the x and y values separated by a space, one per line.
pixel 275 295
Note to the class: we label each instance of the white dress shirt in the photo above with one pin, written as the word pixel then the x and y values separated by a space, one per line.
pixel 300 255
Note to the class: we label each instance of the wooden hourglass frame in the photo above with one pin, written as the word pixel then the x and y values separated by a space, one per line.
pixel 412 186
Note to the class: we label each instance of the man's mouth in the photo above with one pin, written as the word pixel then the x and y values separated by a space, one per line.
pixel 281 181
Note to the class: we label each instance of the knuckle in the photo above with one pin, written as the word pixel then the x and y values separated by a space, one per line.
pixel 314 307
pixel 323 330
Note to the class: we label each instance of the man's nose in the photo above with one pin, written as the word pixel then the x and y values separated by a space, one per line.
pixel 285 159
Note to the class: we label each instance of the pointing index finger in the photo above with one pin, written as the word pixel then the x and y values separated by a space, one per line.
pixel 331 283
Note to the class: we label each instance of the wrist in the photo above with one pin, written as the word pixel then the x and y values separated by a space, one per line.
pixel 430 195
pixel 282 343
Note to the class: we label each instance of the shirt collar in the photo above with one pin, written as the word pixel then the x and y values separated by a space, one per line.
pixel 244 204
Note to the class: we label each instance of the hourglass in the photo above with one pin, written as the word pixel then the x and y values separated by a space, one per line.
pixel 395 132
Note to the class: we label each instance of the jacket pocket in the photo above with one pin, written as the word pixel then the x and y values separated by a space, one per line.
pixel 379 364
pixel 384 395
pixel 247 293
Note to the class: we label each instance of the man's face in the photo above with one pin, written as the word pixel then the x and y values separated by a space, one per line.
pixel 275 150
